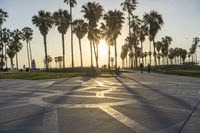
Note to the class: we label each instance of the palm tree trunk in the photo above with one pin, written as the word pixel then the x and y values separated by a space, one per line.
pixel 16 61
pixel 45 50
pixel 154 51
pixel 126 62
pixel 109 57
pixel 6 57
pixel 91 53
pixel 28 56
pixel 115 53
pixel 2 57
pixel 150 52
pixel 63 48
pixel 142 53
pixel 129 24
pixel 80 52
pixel 11 63
pixel 96 54
pixel 72 51
pixel 31 59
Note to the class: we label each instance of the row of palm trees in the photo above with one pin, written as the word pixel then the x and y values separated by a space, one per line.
pixel 109 29
pixel 11 44
pixel 93 12
pixel 175 55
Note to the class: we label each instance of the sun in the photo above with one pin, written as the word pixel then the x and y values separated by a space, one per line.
pixel 103 48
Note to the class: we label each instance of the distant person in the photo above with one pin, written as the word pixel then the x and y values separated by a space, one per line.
pixel 141 67
pixel 149 68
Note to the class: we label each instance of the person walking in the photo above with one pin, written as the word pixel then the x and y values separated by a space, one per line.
pixel 141 67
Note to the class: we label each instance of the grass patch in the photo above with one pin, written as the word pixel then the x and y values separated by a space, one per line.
pixel 55 73
pixel 38 75
pixel 178 70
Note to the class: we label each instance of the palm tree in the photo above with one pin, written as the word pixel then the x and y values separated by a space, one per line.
pixel 5 37
pixel 27 36
pixel 196 40
pixel 44 21
pixel 183 54
pixel 3 16
pixel 129 6
pixel 158 46
pixel 92 12
pixel 124 52
pixel 71 4
pixel 171 55
pixel 114 21
pixel 80 29
pixel 154 21
pixel 166 42
pixel 49 60
pixel 60 59
pixel 142 33
pixel 62 19
pixel 17 36
pixel 11 53
pixel 56 60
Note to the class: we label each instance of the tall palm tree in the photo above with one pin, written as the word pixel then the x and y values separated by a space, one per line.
pixel 154 21
pixel 129 6
pixel 114 20
pixel 92 12
pixel 44 22
pixel 71 4
pixel 80 29
pixel 166 42
pixel 17 36
pixel 62 20
pixel 3 16
pixel 27 36
pixel 142 33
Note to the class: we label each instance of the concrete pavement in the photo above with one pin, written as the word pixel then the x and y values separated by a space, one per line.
pixel 130 103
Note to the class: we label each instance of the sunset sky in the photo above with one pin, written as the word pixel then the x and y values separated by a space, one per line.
pixel 181 18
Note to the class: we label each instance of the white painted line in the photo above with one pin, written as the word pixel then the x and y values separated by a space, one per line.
pixel 100 83
pixel 172 129
pixel 50 121
pixel 125 120
pixel 47 84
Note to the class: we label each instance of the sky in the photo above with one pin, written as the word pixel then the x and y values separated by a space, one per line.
pixel 181 22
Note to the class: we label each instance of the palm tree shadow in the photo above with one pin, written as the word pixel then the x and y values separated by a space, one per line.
pixel 71 91
pixel 158 114
pixel 175 99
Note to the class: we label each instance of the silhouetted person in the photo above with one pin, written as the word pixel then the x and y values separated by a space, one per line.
pixel 141 67
pixel 149 68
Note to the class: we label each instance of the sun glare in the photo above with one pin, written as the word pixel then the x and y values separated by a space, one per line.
pixel 103 48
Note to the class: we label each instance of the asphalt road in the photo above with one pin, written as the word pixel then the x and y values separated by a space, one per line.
pixel 130 103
